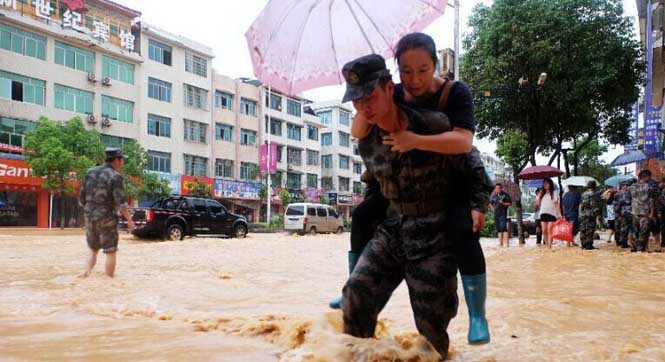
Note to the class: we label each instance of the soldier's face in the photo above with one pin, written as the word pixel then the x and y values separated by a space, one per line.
pixel 118 163
pixel 377 104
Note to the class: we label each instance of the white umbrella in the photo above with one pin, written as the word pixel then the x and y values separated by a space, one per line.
pixel 578 181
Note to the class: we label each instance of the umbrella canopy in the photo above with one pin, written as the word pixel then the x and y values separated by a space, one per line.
pixel 539 172
pixel 615 181
pixel 581 181
pixel 629 157
pixel 298 45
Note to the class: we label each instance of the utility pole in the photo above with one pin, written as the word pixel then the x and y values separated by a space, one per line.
pixel 457 73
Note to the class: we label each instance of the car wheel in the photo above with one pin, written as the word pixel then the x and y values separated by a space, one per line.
pixel 175 233
pixel 312 231
pixel 339 230
pixel 240 231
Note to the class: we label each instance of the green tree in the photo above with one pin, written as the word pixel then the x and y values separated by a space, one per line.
pixel 285 197
pixel 323 200
pixel 154 188
pixel 512 148
pixel 62 152
pixel 591 58
pixel 134 170
pixel 263 193
pixel 201 189
pixel 587 162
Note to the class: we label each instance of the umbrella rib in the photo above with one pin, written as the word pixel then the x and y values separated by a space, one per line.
pixel 295 56
pixel 375 26
pixel 332 41
pixel 360 26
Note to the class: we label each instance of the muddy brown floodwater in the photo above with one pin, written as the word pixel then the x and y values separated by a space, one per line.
pixel 265 298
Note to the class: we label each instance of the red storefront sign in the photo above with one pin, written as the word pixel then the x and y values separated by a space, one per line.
pixel 189 182
pixel 17 172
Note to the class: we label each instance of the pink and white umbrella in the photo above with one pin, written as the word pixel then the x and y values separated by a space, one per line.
pixel 298 45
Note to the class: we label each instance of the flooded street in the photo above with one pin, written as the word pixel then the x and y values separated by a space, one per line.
pixel 265 298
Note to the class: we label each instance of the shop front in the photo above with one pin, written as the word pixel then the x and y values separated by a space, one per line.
pixel 240 197
pixel 23 201
pixel 342 202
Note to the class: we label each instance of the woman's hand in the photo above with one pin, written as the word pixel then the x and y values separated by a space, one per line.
pixel 402 141
pixel 478 220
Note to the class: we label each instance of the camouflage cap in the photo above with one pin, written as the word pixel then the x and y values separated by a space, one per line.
pixel 113 153
pixel 362 75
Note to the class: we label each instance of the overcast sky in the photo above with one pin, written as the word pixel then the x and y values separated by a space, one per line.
pixel 222 26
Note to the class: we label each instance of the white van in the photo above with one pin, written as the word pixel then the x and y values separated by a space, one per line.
pixel 312 218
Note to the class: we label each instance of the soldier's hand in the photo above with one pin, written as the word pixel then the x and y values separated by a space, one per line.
pixel 402 141
pixel 130 226
pixel 478 220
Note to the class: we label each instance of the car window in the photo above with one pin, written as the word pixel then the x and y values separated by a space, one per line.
pixel 200 206
pixel 170 204
pixel 183 205
pixel 295 210
pixel 157 203
pixel 333 212
pixel 215 207
pixel 321 212
pixel 311 211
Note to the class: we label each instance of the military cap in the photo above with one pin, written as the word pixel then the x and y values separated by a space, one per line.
pixel 362 75
pixel 113 153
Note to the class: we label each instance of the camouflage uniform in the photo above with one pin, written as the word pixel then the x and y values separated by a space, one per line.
pixel 411 243
pixel 623 215
pixel 102 195
pixel 589 211
pixel 643 200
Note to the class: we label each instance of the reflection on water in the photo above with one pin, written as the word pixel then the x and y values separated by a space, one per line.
pixel 265 298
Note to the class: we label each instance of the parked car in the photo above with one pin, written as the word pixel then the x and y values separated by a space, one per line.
pixel 529 225
pixel 176 217
pixel 312 218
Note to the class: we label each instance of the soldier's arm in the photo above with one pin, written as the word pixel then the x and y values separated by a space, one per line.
pixel 82 195
pixel 119 195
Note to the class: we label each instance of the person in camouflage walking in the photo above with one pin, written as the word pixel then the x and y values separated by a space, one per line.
pixel 411 244
pixel 589 212
pixel 623 214
pixel 644 196
pixel 102 196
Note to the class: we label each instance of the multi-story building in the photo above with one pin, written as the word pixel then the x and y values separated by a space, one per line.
pixel 341 165
pixel 495 168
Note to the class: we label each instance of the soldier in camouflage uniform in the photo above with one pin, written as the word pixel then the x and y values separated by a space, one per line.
pixel 102 196
pixel 411 243
pixel 623 214
pixel 589 211
pixel 644 196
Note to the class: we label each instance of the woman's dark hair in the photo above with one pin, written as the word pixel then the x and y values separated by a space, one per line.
pixel 551 191
pixel 416 41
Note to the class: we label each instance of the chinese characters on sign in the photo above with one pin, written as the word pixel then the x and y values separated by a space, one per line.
pixel 127 40
pixel 632 130
pixel 8 3
pixel 101 31
pixel 263 164
pixel 651 129
pixel 71 19
pixel 43 9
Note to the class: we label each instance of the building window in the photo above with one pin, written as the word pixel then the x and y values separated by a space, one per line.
pixel 344 139
pixel 196 97
pixel 275 126
pixel 248 171
pixel 114 141
pixel 275 101
pixel 196 166
pixel 13 130
pixel 159 90
pixel 75 58
pixel 276 179
pixel 293 156
pixel 196 65
pixel 293 108
pixel 357 168
pixel 293 131
pixel 159 126
pixel 72 99
pixel 312 132
pixel 280 151
pixel 326 183
pixel 357 188
pixel 312 158
pixel 22 89
pixel 247 107
pixel 159 161
pixel 325 117
pixel 224 100
pixel 118 109
pixel 356 151
pixel 224 168
pixel 344 117
pixel 22 42
pixel 326 139
pixel 159 52
pixel 344 184
pixel 247 137
pixel 344 162
pixel 326 161
pixel 293 180
pixel 312 180
pixel 117 69
pixel 223 132
pixel 196 131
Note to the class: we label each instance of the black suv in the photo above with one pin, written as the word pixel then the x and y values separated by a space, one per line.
pixel 176 217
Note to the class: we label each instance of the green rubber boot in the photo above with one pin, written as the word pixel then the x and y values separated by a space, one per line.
pixel 475 292
pixel 353 260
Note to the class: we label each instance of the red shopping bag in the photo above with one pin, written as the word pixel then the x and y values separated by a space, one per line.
pixel 562 230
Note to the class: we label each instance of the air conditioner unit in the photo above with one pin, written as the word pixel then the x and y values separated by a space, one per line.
pixel 106 122
pixel 92 119
pixel 106 81
pixel 92 78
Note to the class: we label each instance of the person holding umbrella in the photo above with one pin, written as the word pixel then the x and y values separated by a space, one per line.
pixel 548 201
